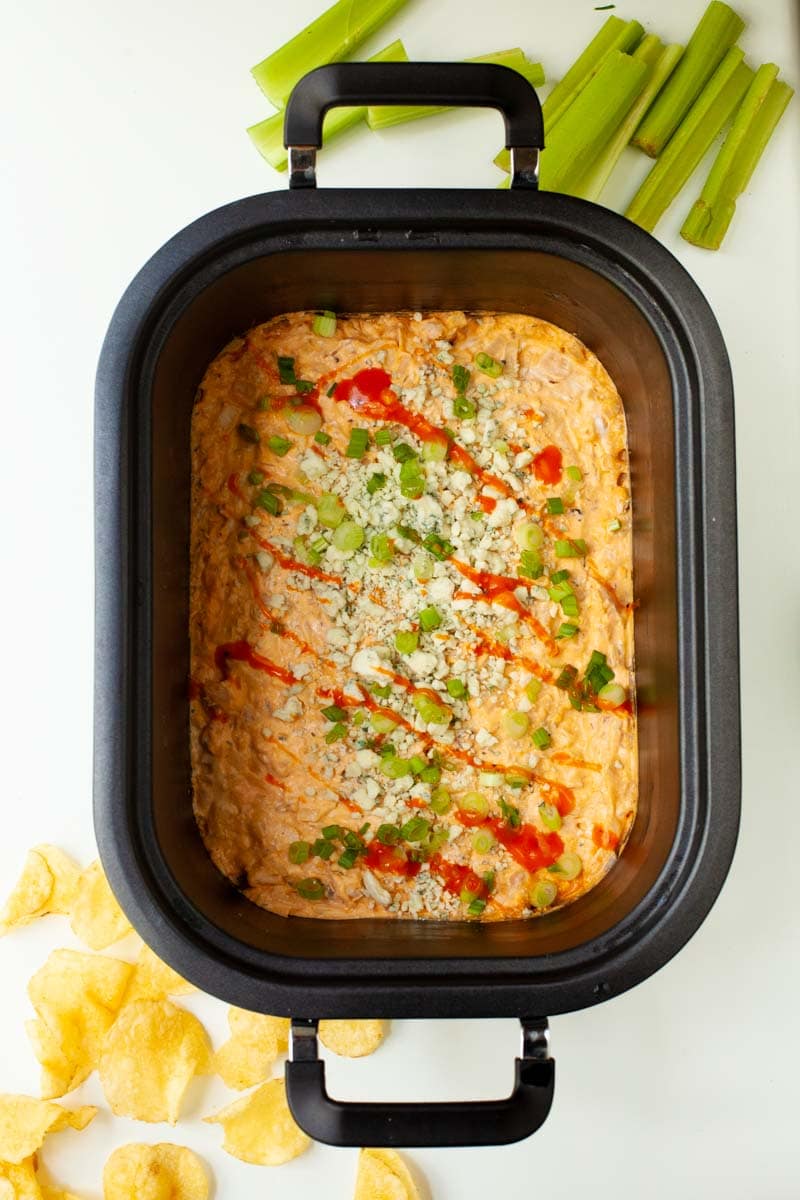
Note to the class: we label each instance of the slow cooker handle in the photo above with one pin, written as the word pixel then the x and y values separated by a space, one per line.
pixel 474 85
pixel 457 1123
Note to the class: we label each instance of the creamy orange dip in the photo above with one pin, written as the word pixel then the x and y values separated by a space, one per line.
pixel 411 616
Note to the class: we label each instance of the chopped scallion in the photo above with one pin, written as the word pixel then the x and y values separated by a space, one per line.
pixel 279 445
pixel 456 688
pixel 299 852
pixel 570 548
pixel 543 893
pixel 304 420
pixel 435 450
pixel 324 323
pixel 482 841
pixel 405 641
pixel 403 452
pixel 530 564
pixel 376 482
pixel 511 814
pixel 347 858
pixel 541 738
pixel 568 866
pixel 438 546
pixel 529 536
pixel 388 835
pixel 464 408
pixel 330 510
pixel 415 829
pixel 380 547
pixel 474 802
pixel 358 444
pixel 334 713
pixel 248 434
pixel 336 734
pixel 575 473
pixel 384 437
pixel 515 724
pixel 441 801
pixel 461 377
pixel 348 537
pixel 566 678
pixel 430 618
pixel 431 774
pixel 566 630
pixel 412 480
pixel 310 889
pixel 532 689
pixel 431 712
pixel 286 369
pixel 395 768
pixel 550 816
pixel 304 386
pixel 332 389
pixel 488 365
pixel 322 438
pixel 323 848
pixel 256 478
pixel 270 502
pixel 554 505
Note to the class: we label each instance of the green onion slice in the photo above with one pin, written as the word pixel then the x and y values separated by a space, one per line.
pixel 310 889
pixel 488 365
pixel 248 434
pixel 358 444
pixel 541 738
pixel 550 816
pixel 568 866
pixel 405 641
pixel 299 852
pixel 324 323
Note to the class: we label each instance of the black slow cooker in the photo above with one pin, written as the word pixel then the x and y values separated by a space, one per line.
pixel 617 289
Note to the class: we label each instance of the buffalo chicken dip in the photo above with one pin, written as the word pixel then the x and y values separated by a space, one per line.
pixel 411 616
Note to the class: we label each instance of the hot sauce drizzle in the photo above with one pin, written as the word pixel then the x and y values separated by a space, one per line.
pixel 291 564
pixel 499 589
pixel 457 878
pixel 370 392
pixel 243 652
pixel 604 839
pixel 526 844
pixel 547 465
pixel 391 859
pixel 569 761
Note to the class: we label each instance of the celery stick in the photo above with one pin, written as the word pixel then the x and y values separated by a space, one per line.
pixel 380 116
pixel 593 183
pixel 717 31
pixel 590 121
pixel 752 128
pixel 267 135
pixel 333 36
pixel 704 121
pixel 615 34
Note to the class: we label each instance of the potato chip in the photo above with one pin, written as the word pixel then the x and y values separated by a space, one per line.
pixel 256 1041
pixel 150 1056
pixel 260 1129
pixel 76 997
pixel 49 1192
pixel 382 1175
pixel 48 884
pixel 97 919
pixel 154 980
pixel 18 1181
pixel 353 1039
pixel 160 1172
pixel 25 1123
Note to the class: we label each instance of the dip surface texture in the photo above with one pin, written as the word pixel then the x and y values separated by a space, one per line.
pixel 411 617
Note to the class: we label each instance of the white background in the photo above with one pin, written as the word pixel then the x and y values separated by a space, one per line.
pixel 122 122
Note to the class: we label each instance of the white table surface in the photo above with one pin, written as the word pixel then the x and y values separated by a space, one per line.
pixel 122 122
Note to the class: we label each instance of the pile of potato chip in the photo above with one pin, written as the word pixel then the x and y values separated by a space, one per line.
pixel 95 1012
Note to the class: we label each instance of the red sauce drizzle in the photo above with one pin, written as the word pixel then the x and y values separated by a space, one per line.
pixel 390 859
pixel 528 846
pixel 488 646
pixel 558 794
pixel 276 624
pixel 233 485
pixel 609 589
pixel 569 761
pixel 291 564
pixel 244 652
pixel 370 392
pixel 547 465
pixel 604 838
pixel 455 877
pixel 499 589
pixel 274 781
pixel 487 503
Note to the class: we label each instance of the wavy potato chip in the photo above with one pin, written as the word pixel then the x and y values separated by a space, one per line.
pixel 97 918
pixel 150 1056
pixel 154 980
pixel 382 1175
pixel 48 884
pixel 260 1129
pixel 76 997
pixel 18 1181
pixel 160 1172
pixel 352 1039
pixel 256 1041
pixel 25 1122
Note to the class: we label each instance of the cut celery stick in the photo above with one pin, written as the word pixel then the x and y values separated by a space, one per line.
pixel 335 35
pixel 380 116
pixel 761 109
pixel 267 135
pixel 615 34
pixel 693 137
pixel 717 31
pixel 589 122
pixel 666 59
